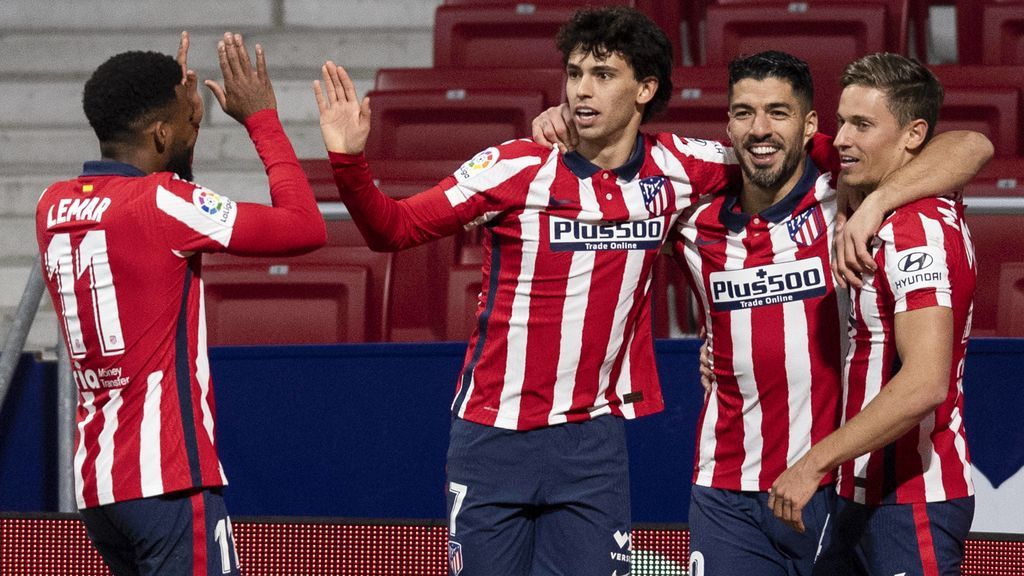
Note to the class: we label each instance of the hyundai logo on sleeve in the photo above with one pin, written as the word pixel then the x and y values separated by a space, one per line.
pixel 915 262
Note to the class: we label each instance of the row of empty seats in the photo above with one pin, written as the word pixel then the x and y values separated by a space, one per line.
pixel 477 32
pixel 427 121
pixel 346 293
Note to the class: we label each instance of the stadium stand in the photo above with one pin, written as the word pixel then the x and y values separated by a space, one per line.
pixel 999 298
pixel 336 294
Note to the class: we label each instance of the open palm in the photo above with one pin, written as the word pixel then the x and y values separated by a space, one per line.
pixel 344 120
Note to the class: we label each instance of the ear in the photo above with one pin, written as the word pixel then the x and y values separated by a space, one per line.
pixel 160 132
pixel 916 133
pixel 810 126
pixel 648 88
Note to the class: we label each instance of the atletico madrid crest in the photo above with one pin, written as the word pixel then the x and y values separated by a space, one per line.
pixel 807 226
pixel 455 557
pixel 655 196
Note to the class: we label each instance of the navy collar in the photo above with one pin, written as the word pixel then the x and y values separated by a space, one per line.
pixel 738 220
pixel 110 168
pixel 584 168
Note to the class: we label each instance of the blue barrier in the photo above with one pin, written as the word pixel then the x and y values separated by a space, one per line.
pixel 361 430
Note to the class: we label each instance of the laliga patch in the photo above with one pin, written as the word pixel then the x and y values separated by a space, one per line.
pixel 767 285
pixel 218 208
pixel 917 268
pixel 477 164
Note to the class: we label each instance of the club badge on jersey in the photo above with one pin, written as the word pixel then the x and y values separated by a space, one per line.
pixel 655 194
pixel 807 226
pixel 455 558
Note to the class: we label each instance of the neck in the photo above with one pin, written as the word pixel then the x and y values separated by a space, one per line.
pixel 613 151
pixel 127 154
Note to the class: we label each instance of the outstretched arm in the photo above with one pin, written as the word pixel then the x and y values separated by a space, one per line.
pixel 945 165
pixel 917 389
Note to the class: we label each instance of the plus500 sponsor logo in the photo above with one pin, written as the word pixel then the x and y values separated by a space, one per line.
pixel 633 235
pixel 767 285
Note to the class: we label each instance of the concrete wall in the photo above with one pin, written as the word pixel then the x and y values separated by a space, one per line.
pixel 50 47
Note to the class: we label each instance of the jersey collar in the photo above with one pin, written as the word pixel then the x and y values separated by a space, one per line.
pixel 736 220
pixel 584 168
pixel 110 168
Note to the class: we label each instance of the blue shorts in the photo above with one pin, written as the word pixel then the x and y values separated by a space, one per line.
pixel 924 539
pixel 178 534
pixel 550 501
pixel 735 534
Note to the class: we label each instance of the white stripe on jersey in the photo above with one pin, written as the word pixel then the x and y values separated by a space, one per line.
pixel 867 308
pixel 187 213
pixel 150 472
pixel 89 404
pixel 931 466
pixel 574 311
pixel 798 361
pixel 105 458
pixel 960 442
pixel 627 293
pixel 203 375
pixel 519 319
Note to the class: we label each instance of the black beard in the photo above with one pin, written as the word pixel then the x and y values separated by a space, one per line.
pixel 181 164
pixel 771 180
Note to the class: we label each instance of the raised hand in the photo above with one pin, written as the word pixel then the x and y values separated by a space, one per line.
pixel 246 90
pixel 344 120
pixel 189 79
pixel 554 127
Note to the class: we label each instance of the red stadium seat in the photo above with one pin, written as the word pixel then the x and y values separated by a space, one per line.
pixel 995 112
pixel 459 81
pixel 827 36
pixel 896 16
pixel 699 104
pixel 424 126
pixel 1011 300
pixel 1002 19
pixel 464 282
pixel 998 245
pixel 1002 33
pixel 989 99
pixel 336 294
pixel 499 35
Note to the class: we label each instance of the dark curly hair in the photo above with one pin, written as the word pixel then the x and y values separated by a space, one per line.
pixel 775 64
pixel 124 92
pixel 624 31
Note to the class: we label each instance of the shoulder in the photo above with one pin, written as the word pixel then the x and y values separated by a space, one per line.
pixel 691 150
pixel 503 161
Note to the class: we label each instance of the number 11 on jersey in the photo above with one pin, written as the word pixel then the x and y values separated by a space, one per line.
pixel 68 265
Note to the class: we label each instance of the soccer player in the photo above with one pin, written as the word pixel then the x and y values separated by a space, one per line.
pixel 906 496
pixel 121 251
pixel 537 466
pixel 758 259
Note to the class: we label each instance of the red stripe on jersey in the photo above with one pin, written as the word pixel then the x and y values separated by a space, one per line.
pixel 925 546
pixel 199 534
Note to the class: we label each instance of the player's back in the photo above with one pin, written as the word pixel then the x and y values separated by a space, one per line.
pixel 127 291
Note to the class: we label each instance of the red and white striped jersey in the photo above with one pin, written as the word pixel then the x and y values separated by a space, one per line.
pixel 769 305
pixel 564 331
pixel 925 258
pixel 120 255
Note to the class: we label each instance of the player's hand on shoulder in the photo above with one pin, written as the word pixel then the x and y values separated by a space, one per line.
pixel 246 89
pixel 344 119
pixel 554 127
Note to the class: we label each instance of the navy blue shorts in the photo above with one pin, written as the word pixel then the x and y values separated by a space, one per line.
pixel 925 539
pixel 735 534
pixel 551 501
pixel 178 534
